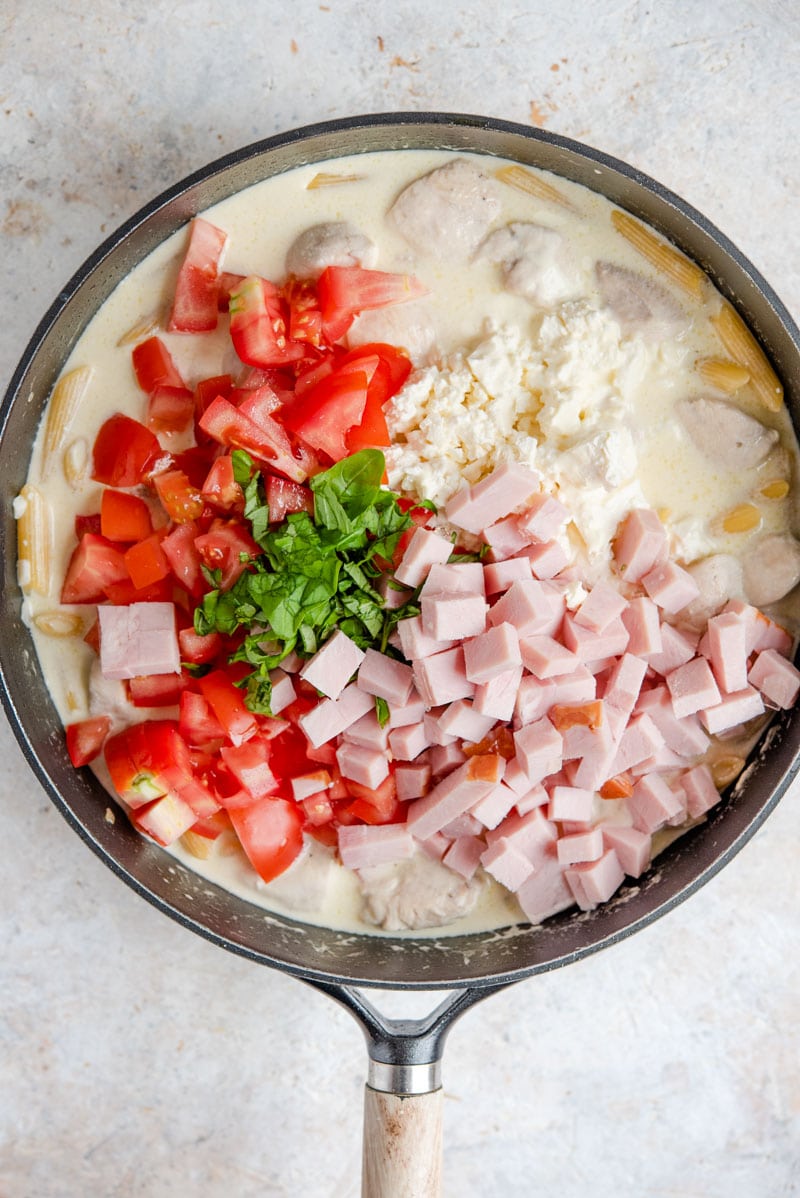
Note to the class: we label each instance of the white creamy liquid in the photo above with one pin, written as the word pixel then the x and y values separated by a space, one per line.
pixel 467 301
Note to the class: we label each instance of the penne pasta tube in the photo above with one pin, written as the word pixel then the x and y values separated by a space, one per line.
pixel 723 374
pixel 532 185
pixel 666 259
pixel 64 402
pixel 34 541
pixel 324 179
pixel 58 623
pixel 143 328
pixel 743 347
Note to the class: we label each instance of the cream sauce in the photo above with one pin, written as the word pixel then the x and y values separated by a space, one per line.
pixel 644 378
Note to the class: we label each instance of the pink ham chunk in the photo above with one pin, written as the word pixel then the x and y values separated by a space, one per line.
pixel 546 657
pixel 455 794
pixel 642 620
pixel 495 806
pixel 683 736
pixel 505 538
pixel 580 846
pixel 589 646
pixel 415 642
pixel 368 732
pixel 670 587
pixel 640 543
pixel 538 748
pixel 443 678
pixel 625 683
pixel 424 550
pixel 410 713
pixel 362 846
pixel 531 606
pixel 544 518
pixel 368 767
pixel 547 559
pixel 408 742
pixel 596 881
pixel 306 785
pixel 545 892
pixel 701 793
pixel 330 717
pixel 732 710
pixel 385 677
pixel 727 651
pixel 455 578
pixel 678 646
pixel 503 491
pixel 653 804
pixel 534 699
pixel 464 855
pixel 498 576
pixel 493 652
pixel 454 615
pixel 498 697
pixel 445 758
pixel 578 687
pixel 640 740
pixel 283 693
pixel 692 687
pixel 632 846
pixel 332 666
pixel 412 780
pixel 507 864
pixel 138 638
pixel 570 803
pixel 460 719
pixel 776 678
pixel 601 607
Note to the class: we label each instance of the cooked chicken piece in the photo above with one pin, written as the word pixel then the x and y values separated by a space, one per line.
pixel 406 325
pixel 418 893
pixel 448 210
pixel 641 305
pixel 719 578
pixel 726 435
pixel 771 568
pixel 534 261
pixel 334 243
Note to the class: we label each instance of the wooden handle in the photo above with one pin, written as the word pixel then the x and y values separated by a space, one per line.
pixel 402 1145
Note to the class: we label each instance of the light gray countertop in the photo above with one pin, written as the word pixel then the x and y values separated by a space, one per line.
pixel 138 1060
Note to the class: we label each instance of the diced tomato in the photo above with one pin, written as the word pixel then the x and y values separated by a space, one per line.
pixel 221 489
pixel 324 414
pixel 318 809
pixel 123 593
pixel 92 636
pixel 214 826
pixel 88 523
pixel 394 368
pixel 228 283
pixel 184 560
pixel 346 290
pixel 249 763
pixel 194 309
pixel 197 723
pixel 147 760
pixel 164 820
pixel 222 547
pixel 170 409
pixel 371 432
pixel 227 703
pixel 288 756
pixel 199 650
pixel 265 440
pixel 85 739
pixel 207 391
pixel 305 318
pixel 324 833
pixel 95 564
pixel 258 325
pixel 124 450
pixel 271 834
pixel 179 498
pixel 284 496
pixel 146 562
pixel 377 805
pixel 124 517
pixel 154 367
pixel 158 690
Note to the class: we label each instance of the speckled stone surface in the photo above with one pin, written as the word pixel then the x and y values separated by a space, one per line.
pixel 137 1060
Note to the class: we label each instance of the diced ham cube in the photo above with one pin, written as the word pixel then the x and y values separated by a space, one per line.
pixel 368 767
pixel 545 892
pixel 416 643
pixel 732 710
pixel 456 793
pixel 581 846
pixel 455 578
pixel 692 687
pixel 138 638
pixel 624 683
pixel 591 646
pixel 639 741
pixel 461 720
pixel 368 732
pixel 408 742
pixel 683 736
pixel 653 804
pixel 632 846
pixel 595 767
pixel 544 518
pixel 769 635
pixel 570 803
pixel 445 758
pixel 534 699
pixel 532 834
pixel 538 745
pixel 537 796
pixel 362 846
pixel 531 606
pixel 464 855
pixel 701 793
pixel 677 647
pixel 393 596
pixel 283 693
pixel 601 607
pixel 516 778
pixel 546 559
pixel 578 687
pixel 505 538
pixel 425 549
pixel 435 733
pixel 640 544
pixel 493 652
pixel 596 881
pixel 670 586
pixel 305 785
pixel 727 644
pixel 500 493
pixel 495 806
pixel 497 697
pixel 410 713
pixel 498 576
pixel 332 666
pixel 776 678
pixel 330 717
pixel 435 846
pixel 453 616
pixel 506 864
pixel 442 678
pixel 385 677
pixel 412 780
pixel 643 622
pixel 546 657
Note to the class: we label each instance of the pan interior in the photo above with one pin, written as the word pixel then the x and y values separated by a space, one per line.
pixel 412 962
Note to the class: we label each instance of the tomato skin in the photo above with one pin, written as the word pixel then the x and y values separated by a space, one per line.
pixel 124 517
pixel 85 739
pixel 324 414
pixel 221 548
pixel 154 367
pixel 199 650
pixel 377 805
pixel 344 291
pixel 258 325
pixel 266 441
pixel 249 763
pixel 271 834
pixel 123 452
pixel 220 489
pixel 197 723
pixel 147 760
pixel 227 704
pixel 95 564
pixel 179 549
pixel 170 409
pixel 179 498
pixel 284 496
pixel 195 305
pixel 158 690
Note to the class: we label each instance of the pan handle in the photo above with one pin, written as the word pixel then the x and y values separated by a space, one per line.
pixel 402 1151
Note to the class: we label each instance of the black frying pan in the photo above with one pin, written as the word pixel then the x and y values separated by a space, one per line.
pixel 402 1132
